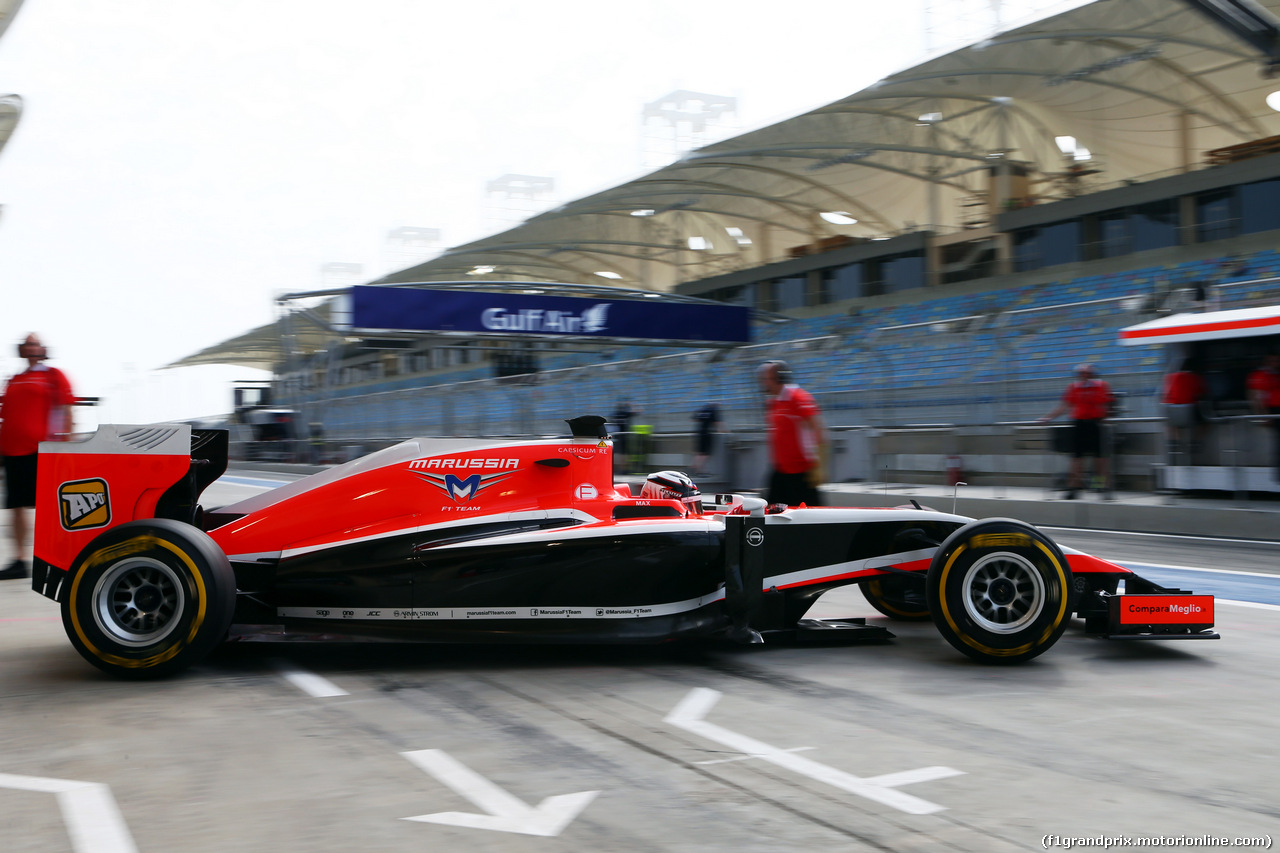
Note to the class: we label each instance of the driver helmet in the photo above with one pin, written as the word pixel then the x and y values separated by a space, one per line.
pixel 673 486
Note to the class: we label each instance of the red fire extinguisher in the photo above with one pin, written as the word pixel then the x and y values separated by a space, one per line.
pixel 954 474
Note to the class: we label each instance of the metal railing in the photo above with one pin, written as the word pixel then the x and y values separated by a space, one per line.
pixel 1235 458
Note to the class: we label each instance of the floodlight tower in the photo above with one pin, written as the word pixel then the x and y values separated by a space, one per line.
pixel 336 274
pixel 511 199
pixel 409 246
pixel 682 121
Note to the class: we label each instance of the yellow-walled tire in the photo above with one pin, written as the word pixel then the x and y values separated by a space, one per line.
pixel 148 598
pixel 898 597
pixel 999 591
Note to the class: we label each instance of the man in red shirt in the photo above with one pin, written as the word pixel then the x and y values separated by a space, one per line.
pixel 1264 394
pixel 36 407
pixel 1184 389
pixel 797 438
pixel 1090 401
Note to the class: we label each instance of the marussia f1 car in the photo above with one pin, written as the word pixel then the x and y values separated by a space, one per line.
pixel 462 540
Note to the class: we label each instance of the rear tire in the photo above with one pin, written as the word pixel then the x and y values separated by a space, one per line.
pixel 149 598
pixel 999 591
pixel 898 597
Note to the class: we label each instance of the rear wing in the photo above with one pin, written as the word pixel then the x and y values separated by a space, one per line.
pixel 120 473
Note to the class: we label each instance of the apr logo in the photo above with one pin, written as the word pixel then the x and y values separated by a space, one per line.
pixel 463 488
pixel 83 504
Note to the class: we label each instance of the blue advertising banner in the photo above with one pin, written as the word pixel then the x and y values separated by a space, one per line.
pixel 420 309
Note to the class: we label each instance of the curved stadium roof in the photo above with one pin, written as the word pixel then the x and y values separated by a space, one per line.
pixel 1147 86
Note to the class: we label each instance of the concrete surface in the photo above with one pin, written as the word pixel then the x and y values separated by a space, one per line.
pixel 1123 740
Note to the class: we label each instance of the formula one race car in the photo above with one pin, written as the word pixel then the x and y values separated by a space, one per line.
pixel 528 541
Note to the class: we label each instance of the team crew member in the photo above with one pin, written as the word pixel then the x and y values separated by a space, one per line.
pixel 707 420
pixel 1184 390
pixel 1089 400
pixel 1264 394
pixel 797 438
pixel 36 407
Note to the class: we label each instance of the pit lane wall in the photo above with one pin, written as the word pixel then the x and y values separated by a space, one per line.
pixel 1131 512
pixel 1020 455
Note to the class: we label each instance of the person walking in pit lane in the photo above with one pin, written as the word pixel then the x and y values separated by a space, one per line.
pixel 1264 395
pixel 1185 390
pixel 707 422
pixel 1090 401
pixel 36 407
pixel 797 438
pixel 622 439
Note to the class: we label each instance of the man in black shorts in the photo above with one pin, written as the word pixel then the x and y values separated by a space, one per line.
pixel 1090 400
pixel 36 407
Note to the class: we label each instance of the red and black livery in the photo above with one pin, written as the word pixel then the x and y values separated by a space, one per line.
pixel 470 540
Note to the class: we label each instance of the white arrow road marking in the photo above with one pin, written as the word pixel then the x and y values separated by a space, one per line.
pixel 313 685
pixel 748 757
pixel 505 813
pixel 689 714
pixel 93 821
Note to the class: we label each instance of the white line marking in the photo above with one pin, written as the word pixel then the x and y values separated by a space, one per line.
pixel 310 683
pixel 908 777
pixel 1219 539
pixel 505 813
pixel 1257 605
pixel 747 757
pixel 689 714
pixel 1177 568
pixel 93 820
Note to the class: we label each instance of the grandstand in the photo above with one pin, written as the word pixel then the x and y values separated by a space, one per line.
pixel 944 245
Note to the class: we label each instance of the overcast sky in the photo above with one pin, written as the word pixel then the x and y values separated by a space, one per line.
pixel 178 164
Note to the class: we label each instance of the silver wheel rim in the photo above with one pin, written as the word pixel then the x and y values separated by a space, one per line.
pixel 138 602
pixel 1003 592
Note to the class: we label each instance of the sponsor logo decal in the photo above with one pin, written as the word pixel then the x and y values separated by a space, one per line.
pixel 755 536
pixel 462 462
pixel 1002 540
pixel 586 492
pixel 460 484
pixel 1185 609
pixel 581 452
pixel 84 504
pixel 591 321
pixel 556 611
pixel 421 614
pixel 1164 609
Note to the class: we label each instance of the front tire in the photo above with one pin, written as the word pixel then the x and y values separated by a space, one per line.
pixel 149 598
pixel 999 591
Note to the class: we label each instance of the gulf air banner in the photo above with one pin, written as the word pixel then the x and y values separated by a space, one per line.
pixel 404 309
